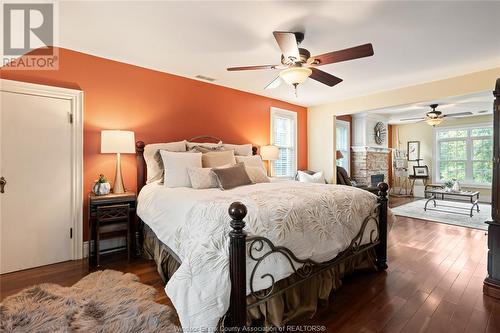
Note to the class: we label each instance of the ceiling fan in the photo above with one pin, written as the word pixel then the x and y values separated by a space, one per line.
pixel 435 117
pixel 297 64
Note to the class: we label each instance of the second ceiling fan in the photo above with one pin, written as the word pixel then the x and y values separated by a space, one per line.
pixel 435 117
pixel 297 64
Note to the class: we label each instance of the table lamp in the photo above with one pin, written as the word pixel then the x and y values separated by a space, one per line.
pixel 269 153
pixel 118 142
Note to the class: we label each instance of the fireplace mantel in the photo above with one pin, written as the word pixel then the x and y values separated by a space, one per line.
pixel 364 149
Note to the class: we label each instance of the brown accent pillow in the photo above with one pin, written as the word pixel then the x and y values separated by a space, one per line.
pixel 218 158
pixel 232 177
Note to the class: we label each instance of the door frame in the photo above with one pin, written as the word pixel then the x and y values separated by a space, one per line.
pixel 75 97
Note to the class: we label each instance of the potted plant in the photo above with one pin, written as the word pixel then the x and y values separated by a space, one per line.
pixel 448 185
pixel 101 186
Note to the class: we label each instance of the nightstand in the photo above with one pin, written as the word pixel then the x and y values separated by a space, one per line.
pixel 111 216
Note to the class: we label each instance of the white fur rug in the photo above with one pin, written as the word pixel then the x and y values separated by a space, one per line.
pixel 104 301
pixel 452 216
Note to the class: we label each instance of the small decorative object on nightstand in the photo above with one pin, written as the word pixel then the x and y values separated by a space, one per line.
pixel 101 186
pixel 111 216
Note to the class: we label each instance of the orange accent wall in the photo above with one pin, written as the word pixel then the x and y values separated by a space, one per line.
pixel 159 107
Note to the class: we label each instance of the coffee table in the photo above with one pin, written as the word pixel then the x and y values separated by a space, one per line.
pixel 443 196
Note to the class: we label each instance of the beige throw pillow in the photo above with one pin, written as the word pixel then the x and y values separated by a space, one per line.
pixel 232 177
pixel 257 174
pixel 251 161
pixel 202 178
pixel 218 158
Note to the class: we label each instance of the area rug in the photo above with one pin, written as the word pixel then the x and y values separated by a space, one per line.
pixel 104 301
pixel 415 209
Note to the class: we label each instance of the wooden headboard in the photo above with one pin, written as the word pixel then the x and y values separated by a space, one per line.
pixel 141 162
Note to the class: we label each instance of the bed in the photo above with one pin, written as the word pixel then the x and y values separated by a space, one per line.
pixel 233 258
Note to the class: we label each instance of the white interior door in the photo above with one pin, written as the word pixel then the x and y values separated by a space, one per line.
pixel 36 162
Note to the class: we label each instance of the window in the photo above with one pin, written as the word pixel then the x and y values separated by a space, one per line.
pixel 284 136
pixel 342 140
pixel 464 154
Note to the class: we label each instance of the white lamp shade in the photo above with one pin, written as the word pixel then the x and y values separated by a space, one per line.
pixel 269 153
pixel 114 141
pixel 295 75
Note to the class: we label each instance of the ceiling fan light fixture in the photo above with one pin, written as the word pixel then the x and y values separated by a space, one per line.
pixel 434 121
pixel 295 75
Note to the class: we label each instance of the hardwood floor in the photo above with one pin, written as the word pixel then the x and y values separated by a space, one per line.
pixel 433 284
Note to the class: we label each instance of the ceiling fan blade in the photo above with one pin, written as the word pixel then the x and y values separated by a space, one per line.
pixel 274 83
pixel 458 114
pixel 361 51
pixel 324 77
pixel 408 119
pixel 288 44
pixel 251 68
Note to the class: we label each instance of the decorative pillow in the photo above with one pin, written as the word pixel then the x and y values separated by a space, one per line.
pixel 209 145
pixel 251 161
pixel 203 149
pixel 304 177
pixel 257 174
pixel 228 178
pixel 176 167
pixel 154 163
pixel 239 150
pixel 218 158
pixel 202 178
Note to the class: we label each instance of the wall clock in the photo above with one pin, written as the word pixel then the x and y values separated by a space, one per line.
pixel 380 133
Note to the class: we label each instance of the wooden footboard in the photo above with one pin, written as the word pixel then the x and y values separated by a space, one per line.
pixel 236 315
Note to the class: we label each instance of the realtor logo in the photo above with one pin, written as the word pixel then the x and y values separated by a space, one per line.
pixel 28 27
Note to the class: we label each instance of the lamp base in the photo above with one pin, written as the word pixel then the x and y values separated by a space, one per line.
pixel 118 187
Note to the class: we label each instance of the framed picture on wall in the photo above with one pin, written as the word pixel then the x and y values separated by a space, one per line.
pixel 413 150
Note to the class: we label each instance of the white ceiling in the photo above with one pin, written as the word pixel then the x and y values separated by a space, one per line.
pixel 477 103
pixel 414 41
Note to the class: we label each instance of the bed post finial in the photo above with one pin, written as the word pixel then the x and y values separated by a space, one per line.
pixel 141 174
pixel 382 225
pixel 237 312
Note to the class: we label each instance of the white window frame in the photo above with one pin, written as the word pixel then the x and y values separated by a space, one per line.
pixel 290 115
pixel 468 166
pixel 347 157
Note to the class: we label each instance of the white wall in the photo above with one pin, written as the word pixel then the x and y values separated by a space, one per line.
pixel 423 132
pixel 320 118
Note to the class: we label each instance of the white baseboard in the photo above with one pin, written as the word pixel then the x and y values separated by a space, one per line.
pixel 105 244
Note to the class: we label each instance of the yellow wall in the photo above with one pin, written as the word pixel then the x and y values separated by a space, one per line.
pixel 423 132
pixel 320 118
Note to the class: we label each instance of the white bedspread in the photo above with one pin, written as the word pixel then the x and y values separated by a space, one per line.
pixel 313 220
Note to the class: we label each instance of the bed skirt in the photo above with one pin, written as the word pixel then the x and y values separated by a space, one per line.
pixel 296 303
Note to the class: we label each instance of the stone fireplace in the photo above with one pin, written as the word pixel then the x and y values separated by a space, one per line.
pixel 368 158
pixel 367 162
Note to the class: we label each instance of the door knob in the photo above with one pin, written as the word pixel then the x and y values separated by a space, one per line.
pixel 2 184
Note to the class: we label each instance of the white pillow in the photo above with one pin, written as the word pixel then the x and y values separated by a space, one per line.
pixel 306 178
pixel 176 167
pixel 240 150
pixel 257 174
pixel 251 161
pixel 153 169
pixel 202 178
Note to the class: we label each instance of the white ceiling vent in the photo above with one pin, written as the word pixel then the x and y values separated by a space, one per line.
pixel 205 78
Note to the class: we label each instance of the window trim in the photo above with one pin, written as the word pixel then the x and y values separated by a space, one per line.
pixel 286 114
pixel 468 139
